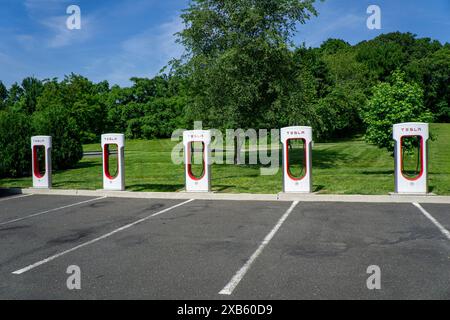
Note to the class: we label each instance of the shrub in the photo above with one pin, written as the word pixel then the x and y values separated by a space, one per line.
pixel 55 121
pixel 393 102
pixel 15 149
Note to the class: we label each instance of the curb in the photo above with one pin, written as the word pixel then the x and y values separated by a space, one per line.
pixel 302 197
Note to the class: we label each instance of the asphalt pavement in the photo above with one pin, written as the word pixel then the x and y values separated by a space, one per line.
pixel 220 249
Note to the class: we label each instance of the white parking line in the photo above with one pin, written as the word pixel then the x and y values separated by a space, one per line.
pixel 16 197
pixel 229 288
pixel 51 210
pixel 39 263
pixel 444 231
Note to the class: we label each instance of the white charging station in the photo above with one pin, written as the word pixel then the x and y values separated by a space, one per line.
pixel 202 182
pixel 302 183
pixel 405 182
pixel 42 179
pixel 116 182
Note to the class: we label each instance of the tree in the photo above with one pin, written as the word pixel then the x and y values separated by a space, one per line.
pixel 15 150
pixel 238 60
pixel 310 81
pixel 14 94
pixel 381 57
pixel 339 112
pixel 57 122
pixel 388 52
pixel 332 46
pixel 433 73
pixel 349 87
pixel 213 26
pixel 116 117
pixel 393 102
pixel 32 89
pixel 311 59
pixel 3 95
pixel 85 101
pixel 299 105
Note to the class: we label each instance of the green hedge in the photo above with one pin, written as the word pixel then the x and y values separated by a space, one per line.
pixel 15 149
pixel 16 129
pixel 55 121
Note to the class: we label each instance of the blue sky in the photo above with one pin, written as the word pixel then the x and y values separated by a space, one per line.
pixel 124 38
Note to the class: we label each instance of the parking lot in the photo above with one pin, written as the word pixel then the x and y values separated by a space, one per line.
pixel 221 249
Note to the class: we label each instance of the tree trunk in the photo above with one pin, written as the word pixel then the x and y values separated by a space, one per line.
pixel 235 147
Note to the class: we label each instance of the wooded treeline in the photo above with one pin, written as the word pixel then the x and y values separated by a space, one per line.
pixel 240 70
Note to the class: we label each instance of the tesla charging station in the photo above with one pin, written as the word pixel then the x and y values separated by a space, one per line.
pixel 42 165
pixel 415 135
pixel 301 183
pixel 113 181
pixel 202 181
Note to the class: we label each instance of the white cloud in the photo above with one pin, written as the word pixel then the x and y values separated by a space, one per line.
pixel 329 27
pixel 142 55
pixel 158 41
pixel 61 36
pixel 51 14
pixel 26 41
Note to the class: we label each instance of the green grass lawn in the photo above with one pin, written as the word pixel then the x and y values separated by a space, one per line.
pixel 343 167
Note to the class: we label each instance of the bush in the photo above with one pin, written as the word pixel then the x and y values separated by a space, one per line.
pixel 163 116
pixel 55 121
pixel 134 128
pixel 339 113
pixel 160 117
pixel 393 102
pixel 15 149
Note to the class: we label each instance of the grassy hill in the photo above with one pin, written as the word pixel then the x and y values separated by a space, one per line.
pixel 343 167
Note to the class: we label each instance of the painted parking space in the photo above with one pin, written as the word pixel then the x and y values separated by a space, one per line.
pixel 184 249
pixel 23 206
pixel 186 253
pixel 29 240
pixel 441 212
pixel 324 250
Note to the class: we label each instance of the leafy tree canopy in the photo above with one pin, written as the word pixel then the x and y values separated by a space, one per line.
pixel 393 102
